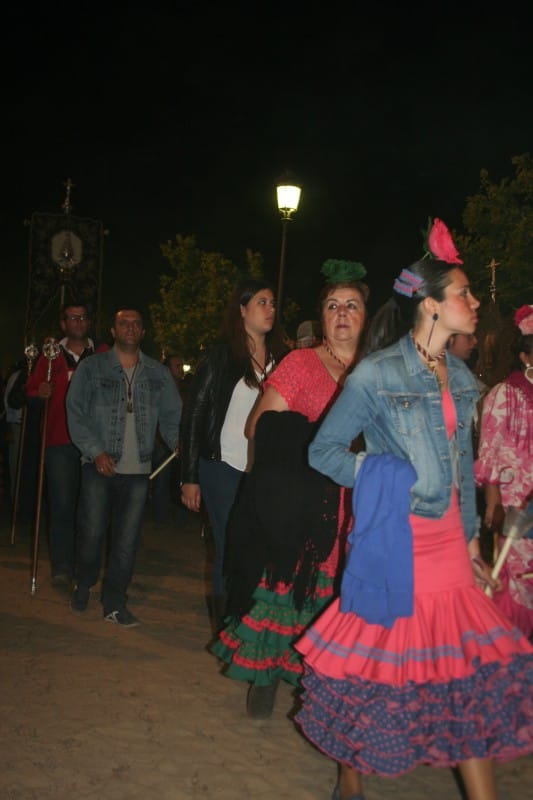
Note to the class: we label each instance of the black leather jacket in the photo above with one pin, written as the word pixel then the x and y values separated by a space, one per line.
pixel 207 403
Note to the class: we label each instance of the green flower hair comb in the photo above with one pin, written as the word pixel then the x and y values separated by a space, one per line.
pixel 338 271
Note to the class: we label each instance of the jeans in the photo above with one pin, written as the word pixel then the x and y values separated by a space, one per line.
pixel 62 465
pixel 118 502
pixel 164 488
pixel 13 434
pixel 29 468
pixel 219 484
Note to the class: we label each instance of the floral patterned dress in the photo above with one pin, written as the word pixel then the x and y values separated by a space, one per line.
pixel 505 458
pixel 257 646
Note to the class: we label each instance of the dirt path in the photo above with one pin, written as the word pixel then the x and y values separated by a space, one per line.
pixel 92 712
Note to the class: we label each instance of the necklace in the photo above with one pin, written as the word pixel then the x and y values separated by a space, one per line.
pixel 431 362
pixel 263 374
pixel 129 382
pixel 333 355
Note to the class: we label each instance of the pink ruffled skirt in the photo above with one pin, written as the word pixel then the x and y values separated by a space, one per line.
pixel 452 682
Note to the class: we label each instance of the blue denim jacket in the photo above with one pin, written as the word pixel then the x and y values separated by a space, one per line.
pixel 395 401
pixel 96 406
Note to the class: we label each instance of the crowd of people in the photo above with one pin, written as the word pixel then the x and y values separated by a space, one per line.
pixel 345 478
pixel 95 412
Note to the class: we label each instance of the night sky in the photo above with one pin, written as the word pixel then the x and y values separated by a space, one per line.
pixel 177 118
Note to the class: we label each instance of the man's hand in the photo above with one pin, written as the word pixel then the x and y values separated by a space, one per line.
pixel 45 390
pixel 105 465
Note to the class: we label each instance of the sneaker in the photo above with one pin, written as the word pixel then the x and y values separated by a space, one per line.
pixel 122 617
pixel 80 599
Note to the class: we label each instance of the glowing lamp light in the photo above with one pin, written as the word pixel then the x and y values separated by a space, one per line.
pixel 288 198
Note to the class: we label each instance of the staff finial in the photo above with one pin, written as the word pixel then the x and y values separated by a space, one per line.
pixel 66 204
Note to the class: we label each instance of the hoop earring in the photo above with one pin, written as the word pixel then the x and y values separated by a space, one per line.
pixel 435 318
pixel 529 372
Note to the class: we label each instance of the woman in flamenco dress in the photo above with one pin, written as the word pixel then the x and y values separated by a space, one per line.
pixel 413 663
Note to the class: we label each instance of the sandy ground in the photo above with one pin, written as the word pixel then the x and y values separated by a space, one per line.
pixel 90 711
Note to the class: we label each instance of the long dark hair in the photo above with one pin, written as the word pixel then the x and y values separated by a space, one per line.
pixel 399 314
pixel 234 333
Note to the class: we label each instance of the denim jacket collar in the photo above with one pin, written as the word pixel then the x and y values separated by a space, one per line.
pixel 115 360
pixel 413 362
pixel 415 366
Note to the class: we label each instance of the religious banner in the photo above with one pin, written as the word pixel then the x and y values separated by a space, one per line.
pixel 65 264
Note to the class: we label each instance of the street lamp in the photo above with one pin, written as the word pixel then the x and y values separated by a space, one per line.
pixel 288 193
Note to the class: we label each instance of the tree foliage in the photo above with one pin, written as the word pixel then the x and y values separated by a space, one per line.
pixel 498 221
pixel 193 296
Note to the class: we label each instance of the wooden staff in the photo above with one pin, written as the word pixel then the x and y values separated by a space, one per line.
pixel 31 352
pixel 50 351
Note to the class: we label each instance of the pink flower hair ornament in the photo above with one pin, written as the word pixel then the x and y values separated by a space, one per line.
pixel 523 318
pixel 439 243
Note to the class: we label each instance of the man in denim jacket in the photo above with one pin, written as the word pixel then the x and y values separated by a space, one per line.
pixel 114 406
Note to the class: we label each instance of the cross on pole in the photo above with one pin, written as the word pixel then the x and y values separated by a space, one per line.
pixel 66 204
pixel 492 288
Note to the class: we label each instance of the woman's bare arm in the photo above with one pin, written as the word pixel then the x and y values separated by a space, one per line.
pixel 270 400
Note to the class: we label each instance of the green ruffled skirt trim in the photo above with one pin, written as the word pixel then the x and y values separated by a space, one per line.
pixel 258 647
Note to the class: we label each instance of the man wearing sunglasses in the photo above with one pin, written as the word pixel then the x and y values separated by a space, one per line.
pixel 62 458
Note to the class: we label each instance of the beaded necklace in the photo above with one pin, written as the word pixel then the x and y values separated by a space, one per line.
pixel 431 362
pixel 332 354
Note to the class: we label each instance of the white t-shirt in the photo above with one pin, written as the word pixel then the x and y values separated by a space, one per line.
pixel 234 446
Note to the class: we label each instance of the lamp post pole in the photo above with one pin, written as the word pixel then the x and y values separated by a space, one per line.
pixel 288 194
pixel 281 277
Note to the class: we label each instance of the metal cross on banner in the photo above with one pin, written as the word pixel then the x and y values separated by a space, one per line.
pixel 492 287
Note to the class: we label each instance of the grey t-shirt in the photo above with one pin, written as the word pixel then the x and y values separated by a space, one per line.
pixel 129 463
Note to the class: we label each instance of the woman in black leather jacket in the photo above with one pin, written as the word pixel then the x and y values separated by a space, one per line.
pixel 226 384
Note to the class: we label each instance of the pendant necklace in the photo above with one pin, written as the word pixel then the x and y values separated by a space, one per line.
pixel 263 374
pixel 333 355
pixel 431 362
pixel 129 382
